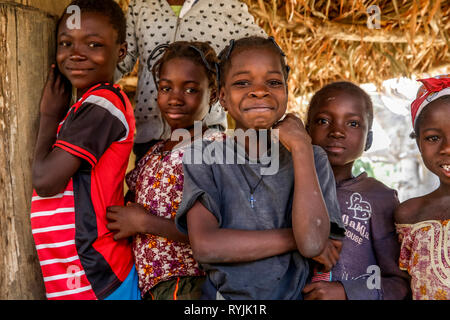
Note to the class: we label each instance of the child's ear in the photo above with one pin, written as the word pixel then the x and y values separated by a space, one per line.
pixel 222 99
pixel 123 49
pixel 369 140
pixel 417 143
pixel 413 135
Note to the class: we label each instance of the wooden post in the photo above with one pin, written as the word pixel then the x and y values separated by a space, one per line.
pixel 27 43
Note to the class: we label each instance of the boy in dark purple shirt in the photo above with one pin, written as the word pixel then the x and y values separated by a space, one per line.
pixel 340 118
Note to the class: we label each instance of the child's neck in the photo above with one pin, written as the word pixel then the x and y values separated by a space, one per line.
pixel 249 144
pixel 170 144
pixel 443 190
pixel 175 2
pixel 81 92
pixel 342 173
pixel 434 206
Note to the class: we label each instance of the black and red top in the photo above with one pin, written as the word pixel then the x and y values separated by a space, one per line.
pixel 78 255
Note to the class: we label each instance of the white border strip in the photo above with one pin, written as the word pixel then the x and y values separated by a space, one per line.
pixel 54 228
pixel 68 292
pixel 53 261
pixel 64 276
pixel 52 212
pixel 108 105
pixel 55 245
pixel 59 195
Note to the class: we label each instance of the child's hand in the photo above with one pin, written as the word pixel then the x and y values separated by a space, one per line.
pixel 324 290
pixel 329 256
pixel 56 95
pixel 292 132
pixel 126 221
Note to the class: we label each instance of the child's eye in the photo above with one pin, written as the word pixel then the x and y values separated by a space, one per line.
pixel 191 90
pixel 432 138
pixel 241 83
pixel 64 43
pixel 275 83
pixel 164 89
pixel 354 124
pixel 94 45
pixel 322 121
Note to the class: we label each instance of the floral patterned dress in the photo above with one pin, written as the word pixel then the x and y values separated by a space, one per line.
pixel 425 255
pixel 157 182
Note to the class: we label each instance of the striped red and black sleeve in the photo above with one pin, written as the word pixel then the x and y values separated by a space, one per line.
pixel 90 129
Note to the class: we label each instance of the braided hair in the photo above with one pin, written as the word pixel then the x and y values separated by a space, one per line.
pixel 198 52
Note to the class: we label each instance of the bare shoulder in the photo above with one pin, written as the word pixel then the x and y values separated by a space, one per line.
pixel 408 210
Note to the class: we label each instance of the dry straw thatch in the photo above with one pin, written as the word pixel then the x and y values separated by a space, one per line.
pixel 333 40
pixel 330 40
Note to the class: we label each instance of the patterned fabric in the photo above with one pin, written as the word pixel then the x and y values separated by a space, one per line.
pixel 368 262
pixel 321 276
pixel 425 252
pixel 431 89
pixel 157 182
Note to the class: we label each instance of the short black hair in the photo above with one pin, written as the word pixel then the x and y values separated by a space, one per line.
pixel 419 119
pixel 245 44
pixel 107 8
pixel 341 86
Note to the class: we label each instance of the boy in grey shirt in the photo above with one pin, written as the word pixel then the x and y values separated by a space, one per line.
pixel 219 187
pixel 252 231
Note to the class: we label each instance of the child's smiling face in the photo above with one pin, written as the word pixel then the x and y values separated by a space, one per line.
pixel 340 125
pixel 434 139
pixel 88 55
pixel 183 92
pixel 255 91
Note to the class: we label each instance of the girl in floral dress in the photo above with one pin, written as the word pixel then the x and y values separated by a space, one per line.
pixel 187 87
pixel 423 222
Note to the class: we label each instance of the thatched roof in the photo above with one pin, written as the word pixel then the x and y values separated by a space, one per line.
pixel 334 40
pixel 330 40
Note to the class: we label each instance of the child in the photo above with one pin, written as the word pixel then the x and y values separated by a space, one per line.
pixel 423 222
pixel 151 23
pixel 80 161
pixel 187 88
pixel 340 119
pixel 251 232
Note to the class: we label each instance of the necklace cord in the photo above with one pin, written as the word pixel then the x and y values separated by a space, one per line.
pixel 252 189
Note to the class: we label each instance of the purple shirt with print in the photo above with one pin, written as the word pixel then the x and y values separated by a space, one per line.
pixel 368 263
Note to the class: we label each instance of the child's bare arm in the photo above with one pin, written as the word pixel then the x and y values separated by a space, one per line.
pixel 329 256
pixel 324 290
pixel 310 221
pixel 134 218
pixel 394 282
pixel 211 244
pixel 52 168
